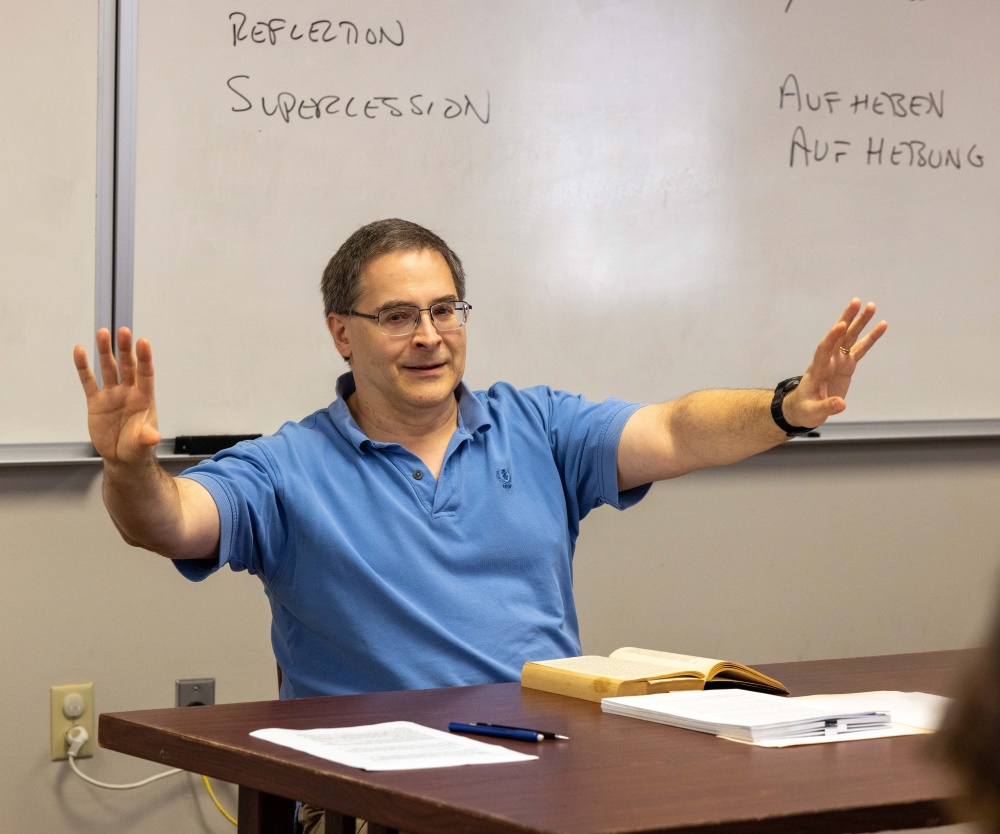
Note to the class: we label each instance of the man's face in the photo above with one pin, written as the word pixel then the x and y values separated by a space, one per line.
pixel 408 375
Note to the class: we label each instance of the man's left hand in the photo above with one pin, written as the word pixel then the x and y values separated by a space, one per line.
pixel 824 385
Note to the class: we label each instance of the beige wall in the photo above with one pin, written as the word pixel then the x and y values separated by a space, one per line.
pixel 802 553
pixel 823 551
pixel 80 605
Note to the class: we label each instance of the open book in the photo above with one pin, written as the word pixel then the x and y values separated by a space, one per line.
pixel 631 671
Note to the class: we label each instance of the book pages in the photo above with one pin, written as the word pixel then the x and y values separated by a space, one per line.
pixel 614 668
pixel 684 663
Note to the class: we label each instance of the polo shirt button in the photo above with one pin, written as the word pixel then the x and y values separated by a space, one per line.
pixel 418 474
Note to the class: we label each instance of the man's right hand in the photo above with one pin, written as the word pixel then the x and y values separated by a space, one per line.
pixel 121 416
pixel 173 516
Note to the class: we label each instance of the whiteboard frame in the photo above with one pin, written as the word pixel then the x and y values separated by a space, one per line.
pixel 124 181
pixel 105 217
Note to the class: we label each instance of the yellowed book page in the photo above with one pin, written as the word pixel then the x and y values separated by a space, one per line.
pixel 670 661
pixel 709 668
pixel 673 684
pixel 611 668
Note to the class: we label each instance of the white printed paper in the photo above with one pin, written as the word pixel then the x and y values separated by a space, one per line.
pixel 394 745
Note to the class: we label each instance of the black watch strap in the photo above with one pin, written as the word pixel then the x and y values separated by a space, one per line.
pixel 784 388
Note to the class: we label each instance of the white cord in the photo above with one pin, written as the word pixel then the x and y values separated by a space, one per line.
pixel 77 737
pixel 86 778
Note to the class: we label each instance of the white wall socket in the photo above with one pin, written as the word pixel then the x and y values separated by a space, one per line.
pixel 71 705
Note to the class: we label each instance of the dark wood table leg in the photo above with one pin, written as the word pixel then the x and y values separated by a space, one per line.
pixel 337 823
pixel 265 813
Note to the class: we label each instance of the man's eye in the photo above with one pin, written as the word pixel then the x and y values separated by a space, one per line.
pixel 443 311
pixel 397 316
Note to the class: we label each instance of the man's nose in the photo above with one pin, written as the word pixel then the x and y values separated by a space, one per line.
pixel 425 330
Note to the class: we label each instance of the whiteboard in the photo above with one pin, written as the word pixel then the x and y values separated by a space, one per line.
pixel 48 153
pixel 650 196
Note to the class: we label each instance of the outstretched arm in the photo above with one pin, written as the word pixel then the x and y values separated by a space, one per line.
pixel 709 428
pixel 176 517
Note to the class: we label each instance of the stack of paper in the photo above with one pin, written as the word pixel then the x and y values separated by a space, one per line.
pixel 393 745
pixel 749 716
pixel 918 710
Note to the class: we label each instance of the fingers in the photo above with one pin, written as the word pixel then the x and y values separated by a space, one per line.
pixel 851 311
pixel 827 408
pixel 827 379
pixel 817 412
pixel 838 353
pixel 87 378
pixel 149 436
pixel 132 367
pixel 853 344
pixel 144 368
pixel 106 358
pixel 845 336
pixel 858 323
pixel 811 403
pixel 827 349
pixel 136 367
pixel 831 406
pixel 126 358
pixel 864 345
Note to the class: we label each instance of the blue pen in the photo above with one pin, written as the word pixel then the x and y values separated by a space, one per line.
pixel 497 732
pixel 542 733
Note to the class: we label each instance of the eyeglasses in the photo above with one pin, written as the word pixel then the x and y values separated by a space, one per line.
pixel 402 321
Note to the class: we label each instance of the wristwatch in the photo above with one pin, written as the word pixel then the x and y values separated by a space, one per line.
pixel 784 388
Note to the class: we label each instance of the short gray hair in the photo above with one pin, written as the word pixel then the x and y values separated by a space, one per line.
pixel 341 284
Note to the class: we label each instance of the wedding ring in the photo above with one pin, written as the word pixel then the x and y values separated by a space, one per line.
pixel 845 351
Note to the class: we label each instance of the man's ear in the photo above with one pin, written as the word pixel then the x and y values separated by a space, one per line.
pixel 337 325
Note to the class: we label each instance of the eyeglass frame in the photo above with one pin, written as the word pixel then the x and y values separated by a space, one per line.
pixel 466 306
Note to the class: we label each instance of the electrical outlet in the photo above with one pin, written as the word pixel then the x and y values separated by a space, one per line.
pixel 71 705
pixel 195 692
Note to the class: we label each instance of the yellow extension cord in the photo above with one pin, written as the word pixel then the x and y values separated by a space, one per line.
pixel 223 811
pixel 218 805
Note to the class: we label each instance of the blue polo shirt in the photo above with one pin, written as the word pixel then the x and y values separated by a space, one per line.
pixel 382 577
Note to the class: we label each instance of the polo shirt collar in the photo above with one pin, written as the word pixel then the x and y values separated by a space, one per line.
pixel 473 416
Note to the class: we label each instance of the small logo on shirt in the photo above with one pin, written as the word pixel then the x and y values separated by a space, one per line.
pixel 503 475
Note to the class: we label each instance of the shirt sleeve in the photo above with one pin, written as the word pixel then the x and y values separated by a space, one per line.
pixel 246 490
pixel 584 437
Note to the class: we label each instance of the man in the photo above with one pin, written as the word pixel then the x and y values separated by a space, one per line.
pixel 416 533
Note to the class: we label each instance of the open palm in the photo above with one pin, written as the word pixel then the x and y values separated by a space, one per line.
pixel 121 415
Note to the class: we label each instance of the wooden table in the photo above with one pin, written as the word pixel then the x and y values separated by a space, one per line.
pixel 615 774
